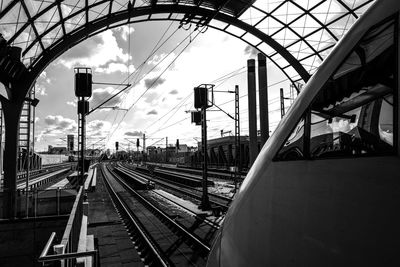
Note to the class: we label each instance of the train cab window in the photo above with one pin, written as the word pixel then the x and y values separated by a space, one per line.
pixel 293 147
pixel 352 115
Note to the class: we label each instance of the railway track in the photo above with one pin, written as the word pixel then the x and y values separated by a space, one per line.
pixel 160 239
pixel 215 199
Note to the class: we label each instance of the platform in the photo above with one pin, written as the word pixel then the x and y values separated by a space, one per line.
pixel 114 244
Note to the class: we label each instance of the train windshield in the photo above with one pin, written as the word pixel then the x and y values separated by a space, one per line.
pixel 352 115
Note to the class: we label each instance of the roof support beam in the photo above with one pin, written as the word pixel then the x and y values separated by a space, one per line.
pixel 32 23
pixel 83 32
pixel 61 17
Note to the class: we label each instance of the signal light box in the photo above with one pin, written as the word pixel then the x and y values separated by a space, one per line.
pixel 83 82
pixel 203 96
pixel 196 117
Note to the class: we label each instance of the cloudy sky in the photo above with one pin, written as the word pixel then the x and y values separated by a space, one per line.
pixel 163 64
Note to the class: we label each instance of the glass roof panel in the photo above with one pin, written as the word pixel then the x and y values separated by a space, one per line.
pixel 4 4
pixel 35 6
pixel 32 54
pixel 267 5
pixel 252 16
pixel 251 39
pixel 328 11
pixel 218 24
pixel 24 38
pixel 118 5
pixel 52 36
pixel 47 20
pixel 69 7
pixel 307 29
pixel 12 21
pixel 287 12
pixel 235 30
pixel 269 26
pixel 99 11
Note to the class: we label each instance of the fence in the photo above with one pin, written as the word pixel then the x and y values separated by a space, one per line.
pixel 65 252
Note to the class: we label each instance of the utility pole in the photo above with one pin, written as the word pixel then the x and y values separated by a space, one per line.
pixel 238 162
pixel 144 147
pixel 202 101
pixel 166 149
pixel 83 88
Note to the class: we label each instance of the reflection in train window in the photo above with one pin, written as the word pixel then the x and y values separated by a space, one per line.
pixel 293 147
pixel 352 115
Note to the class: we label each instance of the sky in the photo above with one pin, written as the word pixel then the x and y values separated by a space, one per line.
pixel 162 80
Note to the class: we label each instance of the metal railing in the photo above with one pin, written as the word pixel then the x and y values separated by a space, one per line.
pixel 49 202
pixel 63 257
pixel 66 252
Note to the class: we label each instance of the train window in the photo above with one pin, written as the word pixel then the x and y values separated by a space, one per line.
pixel 353 113
pixel 293 147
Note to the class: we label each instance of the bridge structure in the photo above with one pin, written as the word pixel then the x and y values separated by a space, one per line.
pixel 294 35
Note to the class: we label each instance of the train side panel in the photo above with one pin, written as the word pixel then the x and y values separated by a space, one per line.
pixel 319 217
pixel 338 210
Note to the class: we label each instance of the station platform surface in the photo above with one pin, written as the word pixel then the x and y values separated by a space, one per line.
pixel 114 244
pixel 64 183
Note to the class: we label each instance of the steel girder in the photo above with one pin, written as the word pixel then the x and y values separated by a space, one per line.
pixel 293 34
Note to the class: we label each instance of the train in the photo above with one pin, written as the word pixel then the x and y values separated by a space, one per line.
pixel 325 188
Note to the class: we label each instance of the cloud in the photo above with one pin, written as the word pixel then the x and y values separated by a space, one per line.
pixel 41 83
pixel 99 95
pixel 251 51
pixel 95 52
pixel 98 128
pixel 153 82
pixel 152 112
pixel 134 133
pixel 115 67
pixel 150 97
pixel 58 125
pixel 125 31
pixel 173 92
pixel 72 103
pixel 156 59
pixel 95 125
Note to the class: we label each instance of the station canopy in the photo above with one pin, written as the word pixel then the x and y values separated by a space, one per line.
pixel 302 31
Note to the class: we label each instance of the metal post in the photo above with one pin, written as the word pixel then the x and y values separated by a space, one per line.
pixel 238 164
pixel 205 203
pixel 263 97
pixel 58 200
pixel 29 161
pixel 144 147
pixel 35 195
pixel 11 113
pixel 1 144
pixel 282 103
pixel 83 139
pixel 166 148
pixel 251 82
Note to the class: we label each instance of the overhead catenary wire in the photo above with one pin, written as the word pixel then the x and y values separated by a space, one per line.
pixel 158 77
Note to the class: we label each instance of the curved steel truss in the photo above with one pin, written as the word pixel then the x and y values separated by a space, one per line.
pixel 294 34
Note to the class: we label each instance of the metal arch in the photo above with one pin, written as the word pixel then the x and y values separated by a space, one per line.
pixel 82 32
pixel 318 29
pixel 193 9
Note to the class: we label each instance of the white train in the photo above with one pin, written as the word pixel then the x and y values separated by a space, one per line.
pixel 325 189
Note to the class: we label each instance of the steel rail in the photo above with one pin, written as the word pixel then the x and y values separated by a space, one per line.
pixel 163 216
pixel 177 186
pixel 127 213
pixel 167 172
